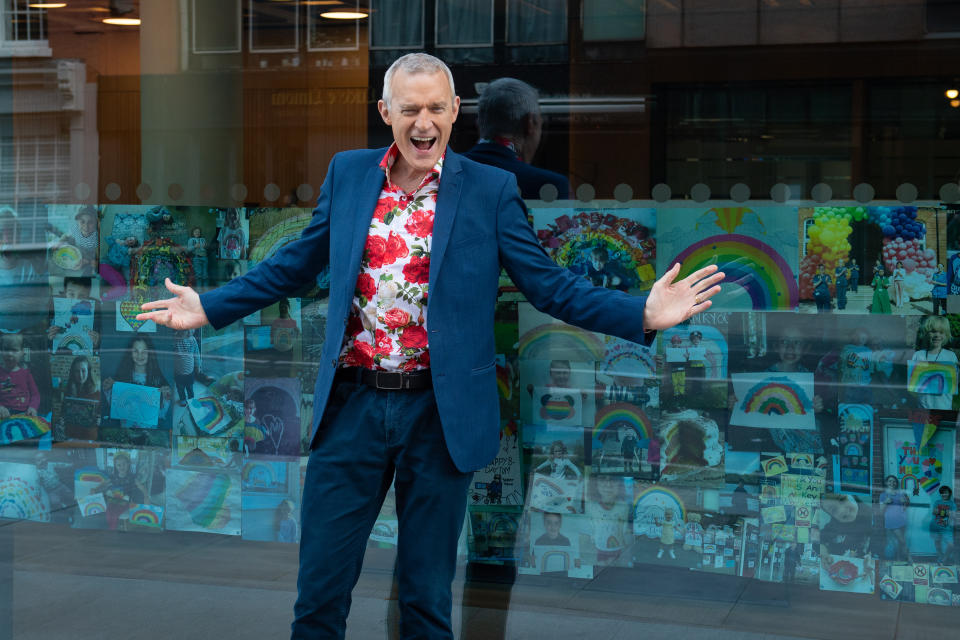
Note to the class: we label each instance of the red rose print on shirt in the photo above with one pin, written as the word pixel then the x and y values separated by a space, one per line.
pixel 366 287
pixel 420 223
pixel 396 318
pixel 354 326
pixel 414 337
pixel 360 356
pixel 384 343
pixel 375 249
pixel 396 249
pixel 417 270
pixel 384 206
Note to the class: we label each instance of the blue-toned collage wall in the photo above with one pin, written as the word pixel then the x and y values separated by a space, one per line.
pixel 802 430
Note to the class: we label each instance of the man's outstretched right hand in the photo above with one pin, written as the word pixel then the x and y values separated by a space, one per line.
pixel 183 311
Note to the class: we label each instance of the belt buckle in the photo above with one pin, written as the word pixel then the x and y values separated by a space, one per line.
pixel 387 375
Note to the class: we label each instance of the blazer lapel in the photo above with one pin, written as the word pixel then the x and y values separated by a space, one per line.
pixel 368 192
pixel 448 201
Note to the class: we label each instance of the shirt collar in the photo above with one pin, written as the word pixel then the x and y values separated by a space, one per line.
pixel 390 157
pixel 503 142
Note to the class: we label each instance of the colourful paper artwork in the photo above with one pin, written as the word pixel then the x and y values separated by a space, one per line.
pixel 781 400
pixel 135 404
pixel 75 321
pixel 920 467
pixel 649 507
pixel 21 496
pixel 890 587
pixel 92 505
pixel 756 248
pixel 281 233
pixel 209 415
pixel 937 378
pixel 847 573
pixel 543 338
pixel 944 574
pixel 855 442
pixel 203 501
pixel 774 466
pixel 22 426
pixel 146 515
pixel 613 248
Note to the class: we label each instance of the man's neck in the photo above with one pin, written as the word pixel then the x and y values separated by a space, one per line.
pixel 405 176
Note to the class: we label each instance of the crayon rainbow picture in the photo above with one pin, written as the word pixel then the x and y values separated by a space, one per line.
pixel 781 400
pixel 92 505
pixel 146 515
pixel 22 427
pixel 937 378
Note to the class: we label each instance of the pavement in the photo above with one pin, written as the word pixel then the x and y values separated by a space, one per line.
pixel 78 584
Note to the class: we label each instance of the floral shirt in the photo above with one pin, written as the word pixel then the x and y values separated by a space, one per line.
pixel 387 325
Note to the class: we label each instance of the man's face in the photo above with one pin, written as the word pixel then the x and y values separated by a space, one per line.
pixel 421 113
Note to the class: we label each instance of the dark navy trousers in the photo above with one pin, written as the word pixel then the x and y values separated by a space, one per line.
pixel 367 438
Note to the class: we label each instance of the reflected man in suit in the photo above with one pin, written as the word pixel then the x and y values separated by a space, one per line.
pixel 510 127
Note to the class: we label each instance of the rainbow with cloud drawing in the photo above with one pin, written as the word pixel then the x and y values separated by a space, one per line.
pixel 622 414
pixel 931 377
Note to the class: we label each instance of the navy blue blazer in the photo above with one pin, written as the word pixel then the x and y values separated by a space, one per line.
pixel 530 178
pixel 479 226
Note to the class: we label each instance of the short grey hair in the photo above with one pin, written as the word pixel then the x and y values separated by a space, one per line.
pixel 503 105
pixel 415 63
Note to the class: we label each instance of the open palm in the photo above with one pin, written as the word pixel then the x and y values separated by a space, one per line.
pixel 183 311
pixel 673 301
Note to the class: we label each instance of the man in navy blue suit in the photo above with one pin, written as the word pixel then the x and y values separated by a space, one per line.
pixel 415 237
pixel 510 126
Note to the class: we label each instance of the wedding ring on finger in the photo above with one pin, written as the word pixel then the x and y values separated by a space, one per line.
pixel 696 299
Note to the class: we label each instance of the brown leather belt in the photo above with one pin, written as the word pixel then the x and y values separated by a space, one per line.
pixel 386 380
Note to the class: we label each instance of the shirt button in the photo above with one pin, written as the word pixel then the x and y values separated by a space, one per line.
pixel 333 363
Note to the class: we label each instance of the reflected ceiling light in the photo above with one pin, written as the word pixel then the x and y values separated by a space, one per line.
pixel 47 5
pixel 123 22
pixel 952 93
pixel 955 103
pixel 343 15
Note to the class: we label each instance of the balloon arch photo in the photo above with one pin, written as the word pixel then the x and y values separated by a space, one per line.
pixel 853 243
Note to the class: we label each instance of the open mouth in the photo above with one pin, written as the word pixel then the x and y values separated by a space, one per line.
pixel 423 144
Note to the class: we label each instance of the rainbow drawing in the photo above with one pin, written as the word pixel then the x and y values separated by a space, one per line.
pixel 628 362
pixel 890 587
pixel 905 478
pixel 554 560
pixel 750 263
pixel 205 496
pixel 92 505
pixel 502 523
pixel 778 396
pixel 73 343
pixel 774 466
pixel 557 409
pixel 22 427
pixel 67 257
pixel 944 575
pixel 258 474
pixel 852 449
pixel 208 414
pixel 623 414
pixel 658 495
pixel 542 340
pixel 21 499
pixel 146 515
pixel 939 596
pixel 936 378
pixel 280 234
pixel 91 475
pixel 509 428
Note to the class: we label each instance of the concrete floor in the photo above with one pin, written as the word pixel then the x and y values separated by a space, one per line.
pixel 77 584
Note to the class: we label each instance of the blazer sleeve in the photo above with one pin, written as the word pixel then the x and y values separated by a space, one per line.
pixel 292 267
pixel 555 290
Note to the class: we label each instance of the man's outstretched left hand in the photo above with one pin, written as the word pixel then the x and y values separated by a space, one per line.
pixel 672 301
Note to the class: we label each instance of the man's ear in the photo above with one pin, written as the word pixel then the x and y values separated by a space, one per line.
pixel 530 125
pixel 384 111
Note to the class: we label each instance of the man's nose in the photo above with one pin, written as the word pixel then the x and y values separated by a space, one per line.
pixel 423 120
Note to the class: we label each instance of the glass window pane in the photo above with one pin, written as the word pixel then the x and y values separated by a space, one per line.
pixel 614 20
pixel 464 22
pixel 396 24
pixel 536 21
